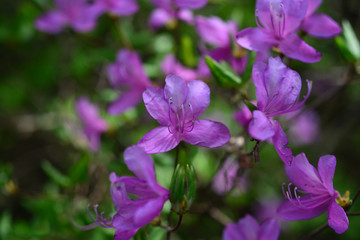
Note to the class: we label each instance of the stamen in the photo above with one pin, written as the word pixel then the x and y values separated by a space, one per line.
pixel 257 20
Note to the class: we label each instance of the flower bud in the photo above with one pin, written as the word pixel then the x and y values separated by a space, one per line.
pixel 183 188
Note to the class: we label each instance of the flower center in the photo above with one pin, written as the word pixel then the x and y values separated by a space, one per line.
pixel 181 117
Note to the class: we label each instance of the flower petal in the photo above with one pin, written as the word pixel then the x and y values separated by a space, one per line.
pixel 280 142
pixel 156 104
pixel 254 39
pixel 337 218
pixel 159 140
pixel 304 175
pixel 289 212
pixel 125 101
pixel 312 6
pixel 269 230
pixel 260 127
pixel 213 30
pixel 123 7
pixel 192 4
pixel 294 47
pixel 198 96
pixel 321 25
pixel 125 235
pixel 249 226
pixel 175 91
pixel 140 163
pixel 159 18
pixel 243 117
pixel 326 167
pixel 232 232
pixel 52 22
pixel 261 89
pixel 149 211
pixel 207 133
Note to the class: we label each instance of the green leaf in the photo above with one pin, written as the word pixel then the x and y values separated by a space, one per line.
pixel 251 106
pixel 156 233
pixel 5 225
pixel 55 175
pixel 352 42
pixel 79 171
pixel 340 43
pixel 223 74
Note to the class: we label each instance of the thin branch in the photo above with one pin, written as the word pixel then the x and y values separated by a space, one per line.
pixel 353 214
pixel 316 232
pixel 122 36
pixel 170 230
pixel 356 196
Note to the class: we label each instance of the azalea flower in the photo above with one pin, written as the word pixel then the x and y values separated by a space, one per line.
pixel 168 12
pixel 127 73
pixel 243 117
pixel 248 229
pixel 118 7
pixel 278 92
pixel 132 213
pixel 227 178
pixel 94 125
pixel 78 14
pixel 176 108
pixel 279 19
pixel 221 35
pixel 319 24
pixel 320 196
pixel 170 66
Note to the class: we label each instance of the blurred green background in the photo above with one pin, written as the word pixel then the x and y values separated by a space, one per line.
pixel 47 176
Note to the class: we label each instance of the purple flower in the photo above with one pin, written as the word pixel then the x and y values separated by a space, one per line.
pixel 318 24
pixel 227 177
pixel 147 200
pixel 127 72
pixel 320 194
pixel 80 15
pixel 277 90
pixel 220 34
pixel 243 117
pixel 280 19
pixel 176 108
pixel 304 127
pixel 248 229
pixel 170 66
pixel 118 7
pixel 166 12
pixel 93 124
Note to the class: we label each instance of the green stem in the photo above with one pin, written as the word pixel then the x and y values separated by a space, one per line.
pixel 124 40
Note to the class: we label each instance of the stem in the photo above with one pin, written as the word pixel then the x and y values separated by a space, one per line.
pixel 356 196
pixel 177 150
pixel 316 232
pixel 353 214
pixel 170 230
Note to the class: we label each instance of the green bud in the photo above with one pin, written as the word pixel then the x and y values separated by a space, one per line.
pixel 183 188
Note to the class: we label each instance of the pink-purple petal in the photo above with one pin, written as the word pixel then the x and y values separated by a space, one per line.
pixel 326 168
pixel 156 104
pixel 289 212
pixel 191 4
pixel 337 218
pixel 160 17
pixel 198 97
pixel 269 230
pixel 255 39
pixel 207 133
pixel 280 142
pixel 149 211
pixel 312 6
pixel 232 232
pixel 52 22
pixel 124 102
pixel 125 235
pixel 321 25
pixel 213 30
pixel 260 127
pixel 175 91
pixel 296 48
pixel 249 226
pixel 159 140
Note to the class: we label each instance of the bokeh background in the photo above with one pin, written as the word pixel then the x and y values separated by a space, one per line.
pixel 47 175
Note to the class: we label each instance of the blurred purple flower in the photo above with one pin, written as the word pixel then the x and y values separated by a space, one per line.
pixel 134 213
pixel 167 12
pixel 170 66
pixel 79 14
pixel 127 72
pixel 227 177
pixel 243 117
pixel 220 34
pixel 320 197
pixel 278 91
pixel 280 19
pixel 303 127
pixel 318 24
pixel 248 229
pixel 176 108
pixel 117 7
pixel 93 124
